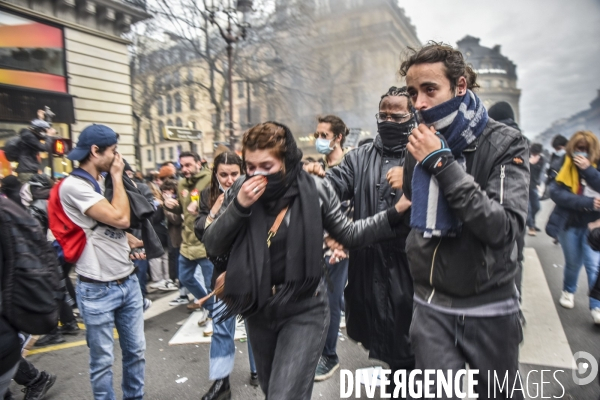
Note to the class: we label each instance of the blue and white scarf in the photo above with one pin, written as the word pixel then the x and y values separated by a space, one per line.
pixel 461 121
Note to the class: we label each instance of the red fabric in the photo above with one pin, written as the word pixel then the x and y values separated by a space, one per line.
pixel 70 236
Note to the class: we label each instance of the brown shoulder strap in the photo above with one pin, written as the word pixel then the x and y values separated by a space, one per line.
pixel 276 225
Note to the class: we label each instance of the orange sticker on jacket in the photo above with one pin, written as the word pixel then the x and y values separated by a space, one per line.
pixel 518 160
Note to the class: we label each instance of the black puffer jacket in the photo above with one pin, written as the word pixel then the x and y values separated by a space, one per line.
pixel 379 294
pixel 479 265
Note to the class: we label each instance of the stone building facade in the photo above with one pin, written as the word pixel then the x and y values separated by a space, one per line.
pixel 496 73
pixel 73 58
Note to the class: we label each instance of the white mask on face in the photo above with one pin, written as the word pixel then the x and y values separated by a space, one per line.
pixel 561 152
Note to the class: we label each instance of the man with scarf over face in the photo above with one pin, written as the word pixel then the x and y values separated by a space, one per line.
pixel 467 177
pixel 379 293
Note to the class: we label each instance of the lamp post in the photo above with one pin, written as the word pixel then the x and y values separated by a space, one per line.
pixel 231 37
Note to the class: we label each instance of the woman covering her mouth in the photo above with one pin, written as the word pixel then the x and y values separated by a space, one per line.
pixel 273 234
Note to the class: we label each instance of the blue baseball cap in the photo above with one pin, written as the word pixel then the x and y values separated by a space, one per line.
pixel 96 134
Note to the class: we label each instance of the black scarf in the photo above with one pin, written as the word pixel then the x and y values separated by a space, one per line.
pixel 248 280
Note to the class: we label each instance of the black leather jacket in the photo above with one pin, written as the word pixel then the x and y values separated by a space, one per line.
pixel 29 148
pixel 219 236
pixel 479 265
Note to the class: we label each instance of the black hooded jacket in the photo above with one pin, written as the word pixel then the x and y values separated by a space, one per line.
pixel 379 294
pixel 29 148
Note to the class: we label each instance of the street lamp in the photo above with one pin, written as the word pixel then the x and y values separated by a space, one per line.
pixel 230 38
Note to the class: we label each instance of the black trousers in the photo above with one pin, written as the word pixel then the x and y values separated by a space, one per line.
pixel 287 342
pixel 448 342
pixel 174 262
pixel 27 373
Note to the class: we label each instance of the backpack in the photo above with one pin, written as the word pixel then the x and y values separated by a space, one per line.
pixel 31 282
pixel 12 148
pixel 71 237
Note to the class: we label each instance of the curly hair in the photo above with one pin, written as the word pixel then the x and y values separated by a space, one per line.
pixel 453 60
pixel 395 92
pixel 592 143
pixel 265 136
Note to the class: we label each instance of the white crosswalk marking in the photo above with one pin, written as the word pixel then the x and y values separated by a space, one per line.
pixel 545 339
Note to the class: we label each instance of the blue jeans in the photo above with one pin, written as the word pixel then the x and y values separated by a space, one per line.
pixel 222 349
pixel 142 274
pixel 577 252
pixel 187 270
pixel 336 282
pixel 104 306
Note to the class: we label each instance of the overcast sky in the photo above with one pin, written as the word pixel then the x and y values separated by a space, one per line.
pixel 554 43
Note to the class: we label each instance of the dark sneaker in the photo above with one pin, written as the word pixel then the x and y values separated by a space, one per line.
pixel 69 329
pixel 51 338
pixel 38 389
pixel 326 367
pixel 253 379
pixel 220 390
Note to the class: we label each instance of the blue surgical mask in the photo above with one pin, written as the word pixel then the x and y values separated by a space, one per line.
pixel 322 146
pixel 561 152
pixel 581 154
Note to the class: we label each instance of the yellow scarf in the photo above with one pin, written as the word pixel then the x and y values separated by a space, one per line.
pixel 569 175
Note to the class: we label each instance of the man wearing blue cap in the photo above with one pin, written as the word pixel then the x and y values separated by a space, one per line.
pixel 108 293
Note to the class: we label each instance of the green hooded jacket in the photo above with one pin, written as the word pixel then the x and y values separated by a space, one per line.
pixel 188 190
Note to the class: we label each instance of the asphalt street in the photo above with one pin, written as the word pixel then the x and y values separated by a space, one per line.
pixel 165 364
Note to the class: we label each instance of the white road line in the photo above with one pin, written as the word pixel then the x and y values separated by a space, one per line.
pixel 545 339
pixel 161 305
pixel 191 333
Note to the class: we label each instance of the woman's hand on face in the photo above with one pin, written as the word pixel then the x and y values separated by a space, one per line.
pixel 251 190
pixel 218 203
pixel 581 162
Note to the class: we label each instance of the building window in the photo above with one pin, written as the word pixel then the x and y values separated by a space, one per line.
pixel 161 131
pixel 226 94
pixel 213 119
pixel 170 122
pixel 501 83
pixel 169 105
pixel 178 122
pixel 162 154
pixel 241 90
pixel 192 101
pixel 171 153
pixel 159 106
pixel 177 102
pixel 228 121
pixel 179 150
pixel 176 78
pixel 148 136
pixel 193 124
pixel 149 155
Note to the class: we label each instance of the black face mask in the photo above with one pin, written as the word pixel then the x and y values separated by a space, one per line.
pixel 395 134
pixel 276 186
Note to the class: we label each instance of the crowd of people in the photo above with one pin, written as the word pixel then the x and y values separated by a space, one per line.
pixel 415 238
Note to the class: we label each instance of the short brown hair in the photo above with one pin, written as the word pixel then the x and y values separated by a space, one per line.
pixel 265 136
pixel 338 127
pixel 453 60
pixel 592 142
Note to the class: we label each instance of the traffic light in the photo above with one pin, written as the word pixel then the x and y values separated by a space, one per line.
pixel 61 146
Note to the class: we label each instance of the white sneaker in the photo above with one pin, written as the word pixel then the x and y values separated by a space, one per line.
pixel 179 301
pixel 203 319
pixel 157 284
pixel 168 286
pixel 567 300
pixel 147 304
pixel 596 315
pixel 208 329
